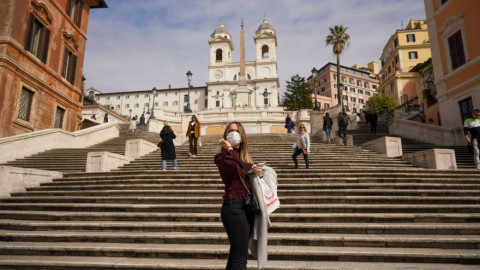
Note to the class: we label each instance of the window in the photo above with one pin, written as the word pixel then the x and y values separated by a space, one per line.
pixel 185 98
pixel 336 96
pixel 389 70
pixel 344 79
pixel 37 40
pixel 360 91
pixel 392 88
pixel 455 46
pixel 410 37
pixel 156 104
pixel 352 89
pixel 218 55
pixel 166 93
pixel 265 53
pixel 127 106
pixel 359 83
pixel 353 99
pixel 206 103
pixel 165 104
pixel 366 85
pixel 217 103
pixel 326 105
pixel 395 42
pixel 466 108
pixel 59 117
pixel 335 86
pixel 367 93
pixel 412 55
pixel 443 1
pixel 360 100
pixel 69 66
pixel 335 77
pixel 397 59
pixel 323 89
pixel 108 98
pixel 117 107
pixel 137 105
pixel 25 104
pixel 127 96
pixel 383 93
pixel 146 95
pixel 175 103
pixel 374 86
pixel 351 81
pixel 118 97
pixel 74 10
pixel 136 96
pixel 146 105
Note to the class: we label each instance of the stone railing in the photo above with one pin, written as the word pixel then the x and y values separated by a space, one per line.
pixel 22 145
pixel 259 120
pixel 426 133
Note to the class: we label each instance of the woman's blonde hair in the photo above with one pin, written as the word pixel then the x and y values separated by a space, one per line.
pixel 300 128
pixel 244 154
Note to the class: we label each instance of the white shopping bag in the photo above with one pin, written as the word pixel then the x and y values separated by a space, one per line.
pixel 270 197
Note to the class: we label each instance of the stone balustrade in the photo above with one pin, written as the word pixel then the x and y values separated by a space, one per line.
pixel 442 159
pixel 22 145
pixel 105 161
pixel 14 179
pixel 426 133
pixel 138 148
pixel 390 146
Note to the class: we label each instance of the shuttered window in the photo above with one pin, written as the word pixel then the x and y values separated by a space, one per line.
pixel 59 117
pixel 455 46
pixel 74 10
pixel 69 66
pixel 25 104
pixel 37 40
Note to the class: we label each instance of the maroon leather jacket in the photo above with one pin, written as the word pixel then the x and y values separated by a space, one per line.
pixel 232 170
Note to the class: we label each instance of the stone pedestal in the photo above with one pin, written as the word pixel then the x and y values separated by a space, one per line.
pixel 15 179
pixel 105 161
pixel 390 146
pixel 442 159
pixel 138 147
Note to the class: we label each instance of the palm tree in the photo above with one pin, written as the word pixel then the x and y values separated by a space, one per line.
pixel 340 40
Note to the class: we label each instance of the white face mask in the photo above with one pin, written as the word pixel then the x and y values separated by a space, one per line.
pixel 234 138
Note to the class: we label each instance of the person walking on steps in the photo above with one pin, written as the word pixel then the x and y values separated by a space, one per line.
pixel 167 146
pixel 193 133
pixel 302 146
pixel 342 127
pixel 133 124
pixel 141 124
pixel 289 124
pixel 105 118
pixel 373 122
pixel 471 128
pixel 234 164
pixel 327 126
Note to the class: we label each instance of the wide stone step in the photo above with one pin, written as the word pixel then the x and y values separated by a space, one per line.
pixel 131 224
pixel 102 263
pixel 205 251
pixel 293 199
pixel 67 189
pixel 136 192
pixel 274 239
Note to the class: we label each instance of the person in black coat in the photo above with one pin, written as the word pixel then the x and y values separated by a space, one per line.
pixel 167 146
pixel 373 122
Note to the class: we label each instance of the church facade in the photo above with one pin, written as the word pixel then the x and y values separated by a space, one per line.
pixel 225 86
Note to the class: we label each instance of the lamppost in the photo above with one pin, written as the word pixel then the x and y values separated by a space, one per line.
pixel 130 113
pixel 148 105
pixel 340 92
pixel 189 78
pixel 314 77
pixel 154 92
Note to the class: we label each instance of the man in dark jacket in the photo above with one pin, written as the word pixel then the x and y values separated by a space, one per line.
pixel 373 122
pixel 342 127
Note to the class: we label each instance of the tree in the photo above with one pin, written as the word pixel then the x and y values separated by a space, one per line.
pixel 340 40
pixel 297 94
pixel 383 105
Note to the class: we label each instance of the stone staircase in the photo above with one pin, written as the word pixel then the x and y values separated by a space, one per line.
pixel 68 160
pixel 354 209
pixel 362 135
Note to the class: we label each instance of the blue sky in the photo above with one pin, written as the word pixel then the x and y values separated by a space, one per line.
pixel 141 44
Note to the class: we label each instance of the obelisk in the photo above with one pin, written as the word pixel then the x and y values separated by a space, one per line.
pixel 242 92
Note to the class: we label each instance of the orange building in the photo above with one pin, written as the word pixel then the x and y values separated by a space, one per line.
pixel 358 83
pixel 453 27
pixel 42 46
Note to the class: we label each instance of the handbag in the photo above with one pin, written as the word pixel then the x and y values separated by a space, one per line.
pixel 251 204
pixel 159 144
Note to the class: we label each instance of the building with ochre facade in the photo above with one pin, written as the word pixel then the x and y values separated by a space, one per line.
pixel 42 46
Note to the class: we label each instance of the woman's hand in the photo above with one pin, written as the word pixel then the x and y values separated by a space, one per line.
pixel 258 169
pixel 225 145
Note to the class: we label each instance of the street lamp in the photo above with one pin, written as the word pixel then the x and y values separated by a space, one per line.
pixel 340 93
pixel 148 105
pixel 314 76
pixel 154 92
pixel 189 78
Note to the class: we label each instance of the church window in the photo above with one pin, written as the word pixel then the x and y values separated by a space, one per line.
pixel 265 52
pixel 218 55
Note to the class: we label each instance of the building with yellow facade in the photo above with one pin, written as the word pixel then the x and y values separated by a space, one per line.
pixel 453 27
pixel 404 50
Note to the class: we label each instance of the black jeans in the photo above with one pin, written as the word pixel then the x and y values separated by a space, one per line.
pixel 193 144
pixel 342 133
pixel 297 152
pixel 238 226
pixel 373 128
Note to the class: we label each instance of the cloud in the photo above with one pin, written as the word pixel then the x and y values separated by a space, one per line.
pixel 136 45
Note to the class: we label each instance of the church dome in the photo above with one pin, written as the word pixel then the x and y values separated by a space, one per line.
pixel 265 27
pixel 221 30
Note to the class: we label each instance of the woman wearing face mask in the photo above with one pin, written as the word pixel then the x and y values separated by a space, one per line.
pixel 302 146
pixel 234 163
